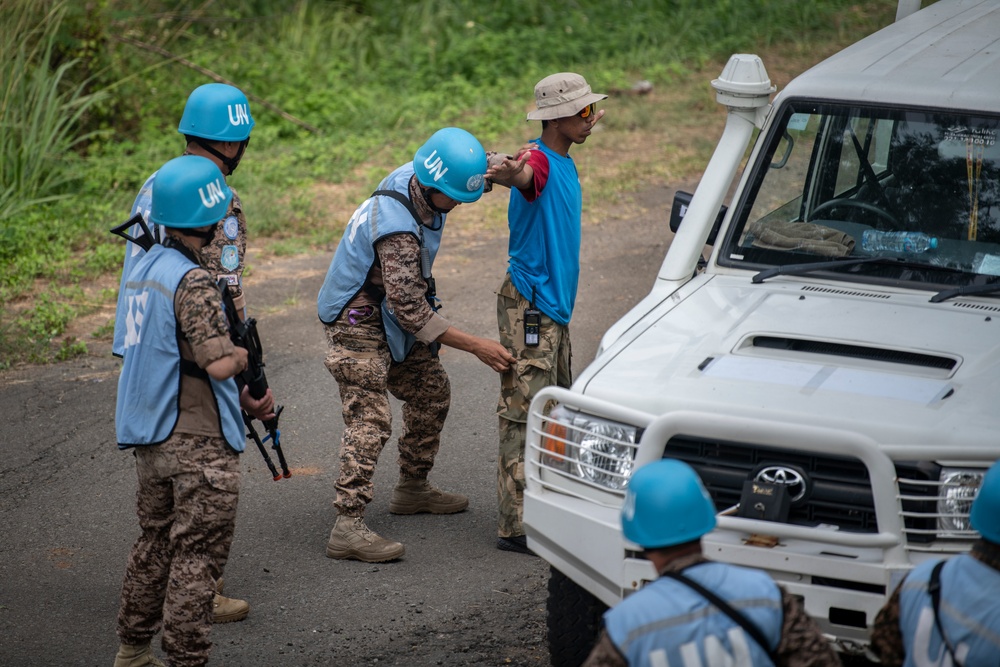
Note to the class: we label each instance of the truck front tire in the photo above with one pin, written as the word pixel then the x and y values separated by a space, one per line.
pixel 574 620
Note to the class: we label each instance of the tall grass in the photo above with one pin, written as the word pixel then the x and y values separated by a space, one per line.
pixel 40 111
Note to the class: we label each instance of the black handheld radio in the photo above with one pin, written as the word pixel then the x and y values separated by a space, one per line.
pixel 532 322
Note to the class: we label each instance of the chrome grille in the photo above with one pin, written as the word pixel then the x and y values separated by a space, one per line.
pixel 841 486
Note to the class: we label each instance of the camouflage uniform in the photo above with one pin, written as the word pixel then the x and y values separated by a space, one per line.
pixel 537 367
pixel 186 502
pixel 802 644
pixel 223 256
pixel 358 358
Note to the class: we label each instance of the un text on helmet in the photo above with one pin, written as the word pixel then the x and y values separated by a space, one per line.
pixel 211 194
pixel 435 167
pixel 242 115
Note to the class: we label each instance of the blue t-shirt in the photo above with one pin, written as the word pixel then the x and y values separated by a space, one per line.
pixel 544 245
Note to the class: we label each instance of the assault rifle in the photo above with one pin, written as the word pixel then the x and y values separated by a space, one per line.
pixel 243 334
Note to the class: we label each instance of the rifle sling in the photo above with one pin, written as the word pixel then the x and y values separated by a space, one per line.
pixel 728 610
pixel 934 589
pixel 402 199
pixel 192 369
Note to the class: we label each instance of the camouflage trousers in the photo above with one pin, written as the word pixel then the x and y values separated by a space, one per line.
pixel 358 358
pixel 547 364
pixel 186 502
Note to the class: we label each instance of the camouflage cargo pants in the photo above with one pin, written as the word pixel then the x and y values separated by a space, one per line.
pixel 186 502
pixel 537 367
pixel 358 358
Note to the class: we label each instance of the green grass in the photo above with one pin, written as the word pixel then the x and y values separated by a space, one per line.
pixel 40 111
pixel 341 91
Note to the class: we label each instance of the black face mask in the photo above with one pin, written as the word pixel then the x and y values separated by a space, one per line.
pixel 207 235
pixel 230 162
pixel 427 192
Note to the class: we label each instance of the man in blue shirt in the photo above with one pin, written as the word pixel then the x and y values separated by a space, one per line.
pixel 542 275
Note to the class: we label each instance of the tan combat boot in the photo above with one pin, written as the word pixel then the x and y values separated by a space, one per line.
pixel 227 610
pixel 414 494
pixel 351 538
pixel 136 655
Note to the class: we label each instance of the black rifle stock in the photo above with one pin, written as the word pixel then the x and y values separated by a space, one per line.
pixel 244 334
pixel 144 239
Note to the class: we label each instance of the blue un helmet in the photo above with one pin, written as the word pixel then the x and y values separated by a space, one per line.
pixel 188 192
pixel 985 514
pixel 453 162
pixel 217 112
pixel 665 505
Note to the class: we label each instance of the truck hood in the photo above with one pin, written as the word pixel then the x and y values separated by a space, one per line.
pixel 886 363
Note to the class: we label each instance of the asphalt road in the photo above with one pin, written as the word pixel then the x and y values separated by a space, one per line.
pixel 67 493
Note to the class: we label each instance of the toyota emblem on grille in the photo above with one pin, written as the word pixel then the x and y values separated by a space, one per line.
pixel 790 478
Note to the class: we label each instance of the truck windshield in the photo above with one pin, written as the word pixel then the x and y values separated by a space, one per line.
pixel 831 179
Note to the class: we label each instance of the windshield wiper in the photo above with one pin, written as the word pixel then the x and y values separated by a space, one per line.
pixel 809 267
pixel 985 288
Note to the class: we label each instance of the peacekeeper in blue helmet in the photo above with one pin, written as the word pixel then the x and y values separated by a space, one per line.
pixel 947 612
pixel 178 409
pixel 216 125
pixel 698 613
pixel 378 307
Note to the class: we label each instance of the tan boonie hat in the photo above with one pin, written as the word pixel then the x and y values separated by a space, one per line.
pixel 561 95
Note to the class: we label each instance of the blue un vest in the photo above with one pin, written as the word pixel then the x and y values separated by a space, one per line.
pixel 969 593
pixel 150 381
pixel 669 624
pixel 125 320
pixel 375 219
pixel 544 244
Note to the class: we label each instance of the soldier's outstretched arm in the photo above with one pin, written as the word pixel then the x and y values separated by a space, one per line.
pixel 488 351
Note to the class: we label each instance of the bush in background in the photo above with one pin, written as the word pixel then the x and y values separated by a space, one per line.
pixel 339 88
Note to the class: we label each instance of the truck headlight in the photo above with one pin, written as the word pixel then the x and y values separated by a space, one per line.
pixel 958 490
pixel 596 450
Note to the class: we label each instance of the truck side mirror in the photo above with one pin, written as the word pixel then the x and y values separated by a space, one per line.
pixel 679 209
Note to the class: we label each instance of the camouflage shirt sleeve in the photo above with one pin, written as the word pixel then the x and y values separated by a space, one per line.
pixel 605 654
pixel 802 644
pixel 224 255
pixel 887 638
pixel 198 306
pixel 405 288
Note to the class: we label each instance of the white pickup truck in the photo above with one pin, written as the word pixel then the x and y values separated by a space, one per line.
pixel 840 402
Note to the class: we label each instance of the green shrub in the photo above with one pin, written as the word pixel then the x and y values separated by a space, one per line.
pixel 41 107
pixel 91 93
